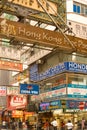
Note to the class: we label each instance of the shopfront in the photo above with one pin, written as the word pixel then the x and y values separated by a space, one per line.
pixel 71 110
pixel 63 89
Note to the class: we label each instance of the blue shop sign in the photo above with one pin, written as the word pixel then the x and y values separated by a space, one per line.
pixel 44 106
pixel 76 67
pixel 61 67
pixel 32 89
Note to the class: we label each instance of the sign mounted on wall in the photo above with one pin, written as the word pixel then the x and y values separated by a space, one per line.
pixel 60 68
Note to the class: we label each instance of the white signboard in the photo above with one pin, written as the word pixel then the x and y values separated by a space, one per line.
pixel 3 91
pixel 9 53
pixel 79 29
pixel 12 90
pixel 50 94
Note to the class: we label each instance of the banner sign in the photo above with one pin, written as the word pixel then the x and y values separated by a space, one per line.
pixel 13 66
pixel 32 89
pixel 61 67
pixel 43 37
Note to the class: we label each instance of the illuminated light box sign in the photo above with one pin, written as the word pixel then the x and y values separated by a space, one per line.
pixel 17 113
pixel 61 67
pixel 32 89
pixel 50 105
pixel 75 104
pixel 16 101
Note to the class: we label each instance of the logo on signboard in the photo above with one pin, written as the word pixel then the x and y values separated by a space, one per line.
pixel 29 87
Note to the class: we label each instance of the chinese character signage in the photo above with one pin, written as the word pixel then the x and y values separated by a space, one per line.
pixel 34 4
pixel 13 66
pixel 12 90
pixel 32 89
pixel 9 53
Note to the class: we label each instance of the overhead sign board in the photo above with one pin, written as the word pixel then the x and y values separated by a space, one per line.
pixel 33 4
pixel 13 66
pixel 43 37
pixel 32 89
pixel 9 53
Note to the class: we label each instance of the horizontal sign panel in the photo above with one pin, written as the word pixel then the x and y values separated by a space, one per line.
pixel 13 66
pixel 32 89
pixel 61 67
pixel 59 92
pixel 12 90
pixel 77 91
pixel 9 53
pixel 43 37
pixel 50 105
pixel 16 101
pixel 33 4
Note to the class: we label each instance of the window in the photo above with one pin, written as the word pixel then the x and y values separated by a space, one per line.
pixel 76 8
pixel 80 8
pixel 85 10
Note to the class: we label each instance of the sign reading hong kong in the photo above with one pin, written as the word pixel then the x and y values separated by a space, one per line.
pixel 62 67
pixel 43 37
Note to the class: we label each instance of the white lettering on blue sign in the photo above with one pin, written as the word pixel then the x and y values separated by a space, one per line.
pixel 69 66
pixel 76 67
